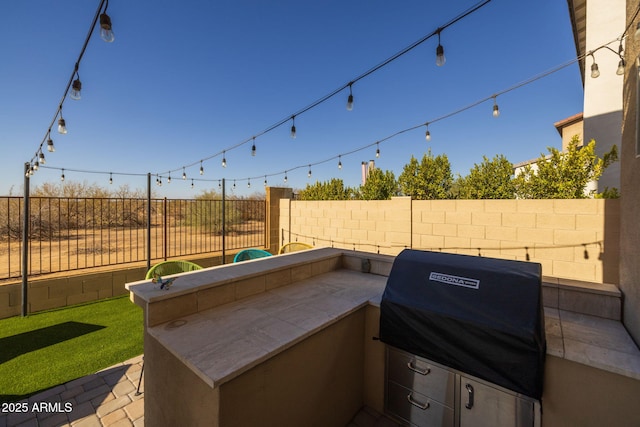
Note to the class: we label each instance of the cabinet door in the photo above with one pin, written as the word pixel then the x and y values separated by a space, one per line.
pixel 485 406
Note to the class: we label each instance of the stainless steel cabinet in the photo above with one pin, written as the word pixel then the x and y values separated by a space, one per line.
pixel 421 393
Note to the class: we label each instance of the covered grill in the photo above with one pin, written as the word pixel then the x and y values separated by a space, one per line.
pixel 480 316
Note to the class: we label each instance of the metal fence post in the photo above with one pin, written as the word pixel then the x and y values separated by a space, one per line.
pixel 148 221
pixel 25 243
pixel 165 235
pixel 224 187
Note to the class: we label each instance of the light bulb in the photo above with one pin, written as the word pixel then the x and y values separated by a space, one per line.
pixel 595 72
pixel 440 58
pixel 110 179
pixel 309 173
pixel 184 174
pixel 35 166
pixel 32 170
pixel 62 176
pixel 285 177
pixel 224 161
pixel 234 183
pixel 106 32
pixel 192 184
pixel 248 183
pixel 496 110
pixel 265 182
pixel 293 131
pixel 427 135
pixel 50 147
pixel 219 184
pixel 253 150
pixel 41 159
pixel 62 126
pixel 377 153
pixel 339 163
pixel 169 179
pixel 76 87
pixel 621 65
pixel 201 169
pixel 350 102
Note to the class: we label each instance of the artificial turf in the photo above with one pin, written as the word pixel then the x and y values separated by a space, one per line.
pixel 46 349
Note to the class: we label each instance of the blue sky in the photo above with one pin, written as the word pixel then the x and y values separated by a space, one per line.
pixel 184 81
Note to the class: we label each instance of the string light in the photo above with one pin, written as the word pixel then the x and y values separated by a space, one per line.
pixel 340 162
pixel 41 158
pixel 106 30
pixel 496 110
pixel 169 178
pixel 285 177
pixel 184 174
pixel 350 99
pixel 50 147
pixel 293 127
pixel 427 134
pixel 219 184
pixel 224 160
pixel 62 125
pixel 253 147
pixel 192 183
pixel 309 173
pixel 201 168
pixel 249 183
pixel 62 175
pixel 110 178
pixel 76 86
pixel 377 150
pixel 265 181
pixel 440 58
pixel 594 68
pixel 234 184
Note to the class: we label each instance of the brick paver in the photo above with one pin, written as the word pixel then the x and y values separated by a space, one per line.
pixel 104 399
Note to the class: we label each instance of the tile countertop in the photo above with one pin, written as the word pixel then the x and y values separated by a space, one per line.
pixel 222 343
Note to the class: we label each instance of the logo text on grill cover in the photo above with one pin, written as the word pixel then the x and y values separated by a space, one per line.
pixel 454 280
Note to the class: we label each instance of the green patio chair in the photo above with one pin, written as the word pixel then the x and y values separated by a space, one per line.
pixel 252 253
pixel 294 247
pixel 166 268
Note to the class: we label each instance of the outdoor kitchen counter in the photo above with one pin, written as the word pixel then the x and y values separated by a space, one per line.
pixel 222 343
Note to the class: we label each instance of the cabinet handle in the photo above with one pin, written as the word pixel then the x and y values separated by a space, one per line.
pixel 469 404
pixel 422 406
pixel 418 370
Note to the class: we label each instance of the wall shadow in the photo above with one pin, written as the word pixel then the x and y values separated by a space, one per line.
pixel 19 344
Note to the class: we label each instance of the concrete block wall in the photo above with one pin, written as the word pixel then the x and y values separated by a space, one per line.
pixel 573 239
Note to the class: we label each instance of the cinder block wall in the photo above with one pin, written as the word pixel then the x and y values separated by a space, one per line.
pixel 574 239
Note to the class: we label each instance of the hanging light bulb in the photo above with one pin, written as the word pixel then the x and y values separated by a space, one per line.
pixel 595 72
pixel 440 58
pixel 309 173
pixel 184 173
pixel 33 169
pixel 41 158
pixel 169 178
pixel 201 168
pixel 219 184
pixel 339 162
pixel 496 110
pixel 62 125
pixel 192 184
pixel 293 127
pixel 265 181
pixel 248 182
pixel 110 178
pixel 62 176
pixel 350 99
pixel 28 172
pixel 427 134
pixel 253 147
pixel 224 161
pixel 285 177
pixel 76 87
pixel 377 150
pixel 621 65
pixel 50 147
pixel 234 184
pixel 106 30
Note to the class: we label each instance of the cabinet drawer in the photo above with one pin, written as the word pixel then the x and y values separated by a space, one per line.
pixel 416 373
pixel 417 408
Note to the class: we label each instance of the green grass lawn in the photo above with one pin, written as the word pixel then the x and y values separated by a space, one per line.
pixel 50 348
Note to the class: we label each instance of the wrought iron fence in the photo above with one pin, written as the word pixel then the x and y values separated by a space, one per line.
pixel 76 233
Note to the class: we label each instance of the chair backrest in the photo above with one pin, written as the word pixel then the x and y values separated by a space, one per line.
pixel 294 247
pixel 251 253
pixel 166 268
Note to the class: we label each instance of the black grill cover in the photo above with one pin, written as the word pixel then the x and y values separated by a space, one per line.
pixel 481 316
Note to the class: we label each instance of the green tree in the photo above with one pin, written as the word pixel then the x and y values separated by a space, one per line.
pixel 491 179
pixel 379 185
pixel 333 189
pixel 431 178
pixel 563 175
